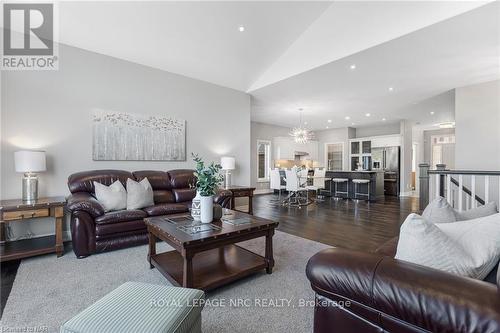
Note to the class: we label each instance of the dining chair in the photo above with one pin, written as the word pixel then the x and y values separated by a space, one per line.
pixel 318 183
pixel 294 189
pixel 275 179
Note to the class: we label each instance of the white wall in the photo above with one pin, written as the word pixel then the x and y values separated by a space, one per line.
pixel 376 130
pixel 406 157
pixel 260 131
pixel 51 110
pixel 477 118
pixel 477 131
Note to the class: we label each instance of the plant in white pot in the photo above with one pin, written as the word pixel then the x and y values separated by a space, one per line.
pixel 208 180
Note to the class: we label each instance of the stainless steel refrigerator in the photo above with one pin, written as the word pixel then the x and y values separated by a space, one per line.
pixel 387 159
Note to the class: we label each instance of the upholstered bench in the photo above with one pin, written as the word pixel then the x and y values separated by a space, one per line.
pixel 141 307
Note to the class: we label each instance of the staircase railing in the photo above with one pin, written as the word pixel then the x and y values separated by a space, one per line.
pixel 463 189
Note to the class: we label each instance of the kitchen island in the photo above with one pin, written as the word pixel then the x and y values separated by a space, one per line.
pixel 376 184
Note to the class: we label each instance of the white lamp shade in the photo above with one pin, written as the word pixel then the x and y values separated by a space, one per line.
pixel 227 163
pixel 29 161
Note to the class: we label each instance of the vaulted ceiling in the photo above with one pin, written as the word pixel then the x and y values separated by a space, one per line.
pixel 297 54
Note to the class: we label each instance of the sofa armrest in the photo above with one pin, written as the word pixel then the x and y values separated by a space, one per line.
pixel 83 201
pixel 427 298
pixel 223 198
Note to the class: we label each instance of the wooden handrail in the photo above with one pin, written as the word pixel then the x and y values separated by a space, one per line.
pixel 464 172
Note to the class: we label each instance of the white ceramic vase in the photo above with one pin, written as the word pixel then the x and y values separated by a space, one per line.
pixel 207 209
pixel 196 207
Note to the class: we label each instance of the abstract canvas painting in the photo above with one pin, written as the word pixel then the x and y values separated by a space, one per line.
pixel 133 137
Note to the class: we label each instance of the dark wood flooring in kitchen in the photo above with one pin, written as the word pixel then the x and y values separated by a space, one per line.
pixel 359 226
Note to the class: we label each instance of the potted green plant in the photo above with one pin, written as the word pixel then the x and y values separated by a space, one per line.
pixel 208 180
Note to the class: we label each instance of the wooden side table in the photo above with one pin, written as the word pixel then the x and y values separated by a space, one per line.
pixel 19 211
pixel 241 192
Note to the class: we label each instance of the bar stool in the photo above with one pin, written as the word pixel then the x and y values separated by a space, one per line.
pixel 337 181
pixel 356 186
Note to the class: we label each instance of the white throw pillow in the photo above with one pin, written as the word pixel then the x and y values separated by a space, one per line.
pixel 481 240
pixel 439 211
pixel 139 194
pixel 466 248
pixel 422 242
pixel 112 197
pixel 481 211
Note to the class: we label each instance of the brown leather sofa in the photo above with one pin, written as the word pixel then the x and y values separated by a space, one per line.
pixel 93 230
pixel 372 292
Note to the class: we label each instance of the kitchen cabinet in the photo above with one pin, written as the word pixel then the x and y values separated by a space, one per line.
pixel 386 141
pixel 284 148
pixel 360 153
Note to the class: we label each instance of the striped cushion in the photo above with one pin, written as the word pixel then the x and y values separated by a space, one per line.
pixel 141 307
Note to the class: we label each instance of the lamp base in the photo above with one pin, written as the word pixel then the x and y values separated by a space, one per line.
pixel 30 187
pixel 227 179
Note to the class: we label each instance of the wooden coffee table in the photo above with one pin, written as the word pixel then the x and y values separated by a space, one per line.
pixel 209 259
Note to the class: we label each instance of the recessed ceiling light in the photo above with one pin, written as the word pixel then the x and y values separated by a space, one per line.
pixel 383 119
pixel 353 124
pixel 391 88
pixel 432 112
pixel 367 114
pixel 347 118
pixel 329 120
pixel 327 127
pixel 305 122
pixel 353 66
pixel 241 28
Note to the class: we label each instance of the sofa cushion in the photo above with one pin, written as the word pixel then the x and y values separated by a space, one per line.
pixel 108 230
pixel 182 178
pixel 184 194
pixel 84 181
pixel 159 180
pixel 165 209
pixel 139 194
pixel 120 216
pixel 112 197
pixel 163 196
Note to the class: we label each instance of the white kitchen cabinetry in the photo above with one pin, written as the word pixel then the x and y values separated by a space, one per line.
pixel 284 148
pixel 386 141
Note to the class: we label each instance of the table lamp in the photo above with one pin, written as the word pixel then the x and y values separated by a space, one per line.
pixel 227 163
pixel 29 162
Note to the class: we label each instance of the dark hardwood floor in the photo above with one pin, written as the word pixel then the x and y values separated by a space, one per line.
pixel 359 226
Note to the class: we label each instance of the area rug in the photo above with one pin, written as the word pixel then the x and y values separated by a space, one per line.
pixel 49 291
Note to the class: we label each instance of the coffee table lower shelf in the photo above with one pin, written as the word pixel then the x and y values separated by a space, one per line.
pixel 212 268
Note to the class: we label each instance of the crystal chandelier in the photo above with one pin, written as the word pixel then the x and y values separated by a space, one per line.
pixel 300 133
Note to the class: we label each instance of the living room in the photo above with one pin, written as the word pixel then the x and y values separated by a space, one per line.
pixel 250 166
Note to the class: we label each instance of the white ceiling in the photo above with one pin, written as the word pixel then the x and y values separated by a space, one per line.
pixel 196 39
pixel 296 53
pixel 459 51
pixel 281 38
pixel 348 27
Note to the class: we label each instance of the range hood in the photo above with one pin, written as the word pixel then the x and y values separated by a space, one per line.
pixel 300 153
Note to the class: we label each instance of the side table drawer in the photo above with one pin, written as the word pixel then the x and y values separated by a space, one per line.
pixel 26 214
pixel 237 194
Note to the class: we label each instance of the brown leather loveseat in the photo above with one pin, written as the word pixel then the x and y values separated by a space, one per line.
pixel 372 292
pixel 93 230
